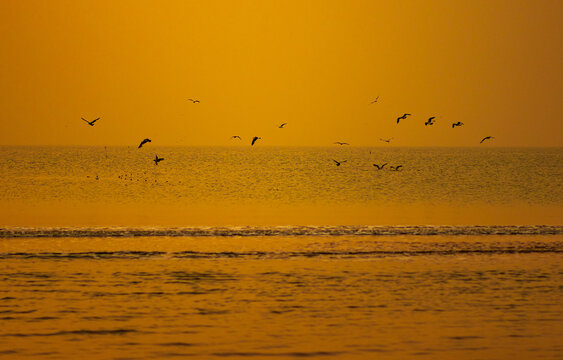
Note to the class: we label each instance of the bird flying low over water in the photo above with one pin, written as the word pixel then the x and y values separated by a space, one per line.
pixel 386 140
pixel 404 116
pixel 379 167
pixel 341 143
pixel 144 142
pixel 430 121
pixel 157 160
pixel 194 101
pixel 486 138
pixel 254 140
pixel 459 123
pixel 339 162
pixel 236 137
pixel 374 101
pixel 282 125
pixel 91 123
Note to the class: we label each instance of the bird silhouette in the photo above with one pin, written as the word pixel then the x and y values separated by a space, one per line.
pixel 386 140
pixel 395 168
pixel 341 143
pixel 379 167
pixel 282 125
pixel 374 101
pixel 157 160
pixel 254 140
pixel 339 162
pixel 404 116
pixel 144 142
pixel 194 101
pixel 430 121
pixel 91 123
pixel 486 138
pixel 236 137
pixel 459 123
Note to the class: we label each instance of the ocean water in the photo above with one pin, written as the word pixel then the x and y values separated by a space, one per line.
pixel 261 253
pixel 121 186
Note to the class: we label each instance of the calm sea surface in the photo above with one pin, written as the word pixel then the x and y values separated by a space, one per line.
pixel 268 253
pixel 121 186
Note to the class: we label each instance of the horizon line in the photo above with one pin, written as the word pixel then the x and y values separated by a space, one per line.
pixel 271 146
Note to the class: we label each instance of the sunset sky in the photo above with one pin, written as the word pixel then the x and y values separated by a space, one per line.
pixel 494 65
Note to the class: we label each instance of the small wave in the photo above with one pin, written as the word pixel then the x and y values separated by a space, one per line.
pixel 21 232
pixel 400 251
pixel 73 332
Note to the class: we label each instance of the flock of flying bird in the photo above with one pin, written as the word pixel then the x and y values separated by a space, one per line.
pixel 430 121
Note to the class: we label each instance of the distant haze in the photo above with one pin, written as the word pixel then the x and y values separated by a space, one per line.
pixel 315 65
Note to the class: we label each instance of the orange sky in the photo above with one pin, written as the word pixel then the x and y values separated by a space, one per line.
pixel 494 65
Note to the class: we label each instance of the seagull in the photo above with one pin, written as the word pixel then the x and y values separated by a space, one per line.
pixel 91 123
pixel 459 123
pixel 379 167
pixel 374 101
pixel 254 140
pixel 386 140
pixel 194 101
pixel 282 125
pixel 402 117
pixel 339 162
pixel 486 138
pixel 157 160
pixel 430 121
pixel 236 137
pixel 144 142
pixel 395 168
pixel 341 143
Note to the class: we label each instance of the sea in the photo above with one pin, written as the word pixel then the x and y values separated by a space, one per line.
pixel 280 253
